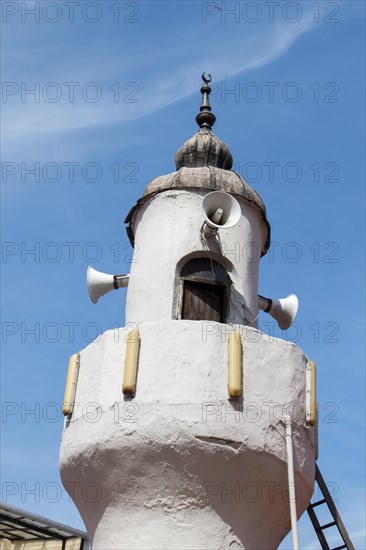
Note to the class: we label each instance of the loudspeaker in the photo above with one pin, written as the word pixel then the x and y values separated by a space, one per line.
pixel 284 310
pixel 100 283
pixel 220 210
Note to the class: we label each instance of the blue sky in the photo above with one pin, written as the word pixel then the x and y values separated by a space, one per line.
pixel 115 99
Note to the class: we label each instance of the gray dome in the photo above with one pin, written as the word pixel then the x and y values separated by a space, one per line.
pixel 204 149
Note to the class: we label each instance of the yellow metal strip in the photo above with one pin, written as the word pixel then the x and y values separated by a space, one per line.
pixel 312 418
pixel 71 381
pixel 316 431
pixel 131 361
pixel 234 364
pixel 310 398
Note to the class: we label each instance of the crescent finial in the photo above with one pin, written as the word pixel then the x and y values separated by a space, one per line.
pixel 205 79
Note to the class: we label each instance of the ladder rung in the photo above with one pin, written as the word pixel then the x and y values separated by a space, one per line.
pixel 318 503
pixel 319 529
pixel 328 525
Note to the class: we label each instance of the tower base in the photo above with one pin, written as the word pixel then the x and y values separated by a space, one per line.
pixel 181 466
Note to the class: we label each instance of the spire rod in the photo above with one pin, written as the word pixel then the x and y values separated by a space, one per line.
pixel 205 119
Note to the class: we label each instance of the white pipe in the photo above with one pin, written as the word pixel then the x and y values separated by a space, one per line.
pixel 291 483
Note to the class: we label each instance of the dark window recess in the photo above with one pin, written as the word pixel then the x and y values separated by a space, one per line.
pixel 204 268
pixel 203 302
pixel 205 287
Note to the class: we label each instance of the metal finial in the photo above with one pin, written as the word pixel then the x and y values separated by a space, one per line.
pixel 206 80
pixel 205 119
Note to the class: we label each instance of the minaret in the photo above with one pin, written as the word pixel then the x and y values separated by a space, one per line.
pixel 165 225
pixel 175 434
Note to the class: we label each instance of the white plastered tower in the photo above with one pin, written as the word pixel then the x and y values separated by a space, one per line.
pixel 180 464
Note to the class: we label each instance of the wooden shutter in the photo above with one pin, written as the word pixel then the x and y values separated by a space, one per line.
pixel 203 302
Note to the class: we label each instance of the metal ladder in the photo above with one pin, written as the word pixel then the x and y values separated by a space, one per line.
pixel 319 529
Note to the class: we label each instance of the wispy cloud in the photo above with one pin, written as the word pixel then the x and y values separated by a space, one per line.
pixel 34 125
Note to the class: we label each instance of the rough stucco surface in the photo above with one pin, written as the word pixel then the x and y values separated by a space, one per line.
pixel 180 466
pixel 209 178
pixel 167 233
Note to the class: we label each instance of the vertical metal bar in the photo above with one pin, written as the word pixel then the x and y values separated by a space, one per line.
pixel 131 360
pixel 234 365
pixel 316 432
pixel 310 393
pixel 71 382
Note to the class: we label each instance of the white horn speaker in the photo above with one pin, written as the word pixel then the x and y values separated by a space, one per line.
pixel 284 310
pixel 100 283
pixel 220 210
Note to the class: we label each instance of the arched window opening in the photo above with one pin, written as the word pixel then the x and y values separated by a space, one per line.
pixel 205 285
